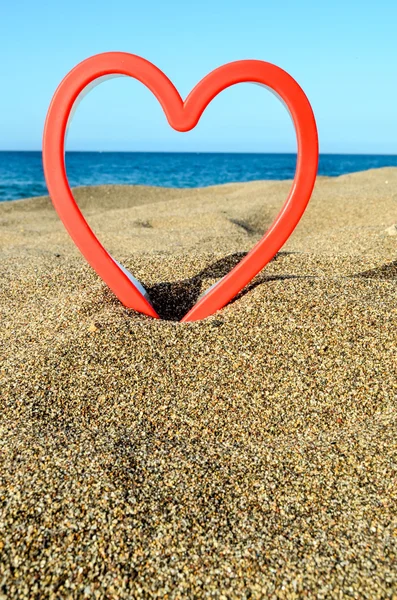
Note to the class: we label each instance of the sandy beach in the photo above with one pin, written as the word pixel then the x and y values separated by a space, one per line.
pixel 249 455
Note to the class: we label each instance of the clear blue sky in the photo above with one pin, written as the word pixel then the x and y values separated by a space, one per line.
pixel 343 53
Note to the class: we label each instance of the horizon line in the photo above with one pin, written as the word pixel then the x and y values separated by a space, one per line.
pixel 207 152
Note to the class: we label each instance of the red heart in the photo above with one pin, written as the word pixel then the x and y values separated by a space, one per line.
pixel 182 116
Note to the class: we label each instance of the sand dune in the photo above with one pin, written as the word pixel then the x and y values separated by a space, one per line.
pixel 252 454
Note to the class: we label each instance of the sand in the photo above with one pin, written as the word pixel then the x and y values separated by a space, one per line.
pixel 249 455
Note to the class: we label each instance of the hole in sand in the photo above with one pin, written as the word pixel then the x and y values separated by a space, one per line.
pixel 172 300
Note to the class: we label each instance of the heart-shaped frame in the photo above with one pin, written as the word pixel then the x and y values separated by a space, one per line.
pixel 182 116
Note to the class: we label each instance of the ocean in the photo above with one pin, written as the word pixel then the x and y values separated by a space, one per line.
pixel 21 173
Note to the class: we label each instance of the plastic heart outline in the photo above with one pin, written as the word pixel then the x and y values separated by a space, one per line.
pixel 182 116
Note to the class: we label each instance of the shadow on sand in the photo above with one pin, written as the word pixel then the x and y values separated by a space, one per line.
pixel 172 300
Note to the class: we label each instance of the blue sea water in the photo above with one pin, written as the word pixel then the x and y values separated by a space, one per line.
pixel 21 173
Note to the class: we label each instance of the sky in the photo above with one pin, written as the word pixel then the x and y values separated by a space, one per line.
pixel 343 54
